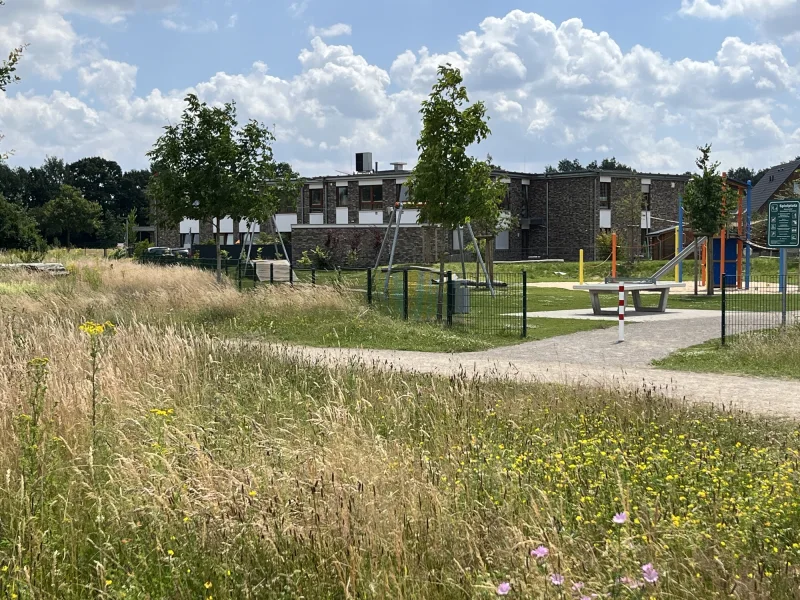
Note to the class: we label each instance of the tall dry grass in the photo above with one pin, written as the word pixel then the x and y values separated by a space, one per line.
pixel 224 470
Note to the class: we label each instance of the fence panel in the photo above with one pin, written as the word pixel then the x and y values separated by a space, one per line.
pixel 768 304
pixel 465 304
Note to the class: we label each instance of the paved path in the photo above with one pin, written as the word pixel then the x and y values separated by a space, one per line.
pixel 593 358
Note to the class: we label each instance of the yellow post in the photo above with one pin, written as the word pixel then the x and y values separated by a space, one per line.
pixel 580 268
pixel 677 251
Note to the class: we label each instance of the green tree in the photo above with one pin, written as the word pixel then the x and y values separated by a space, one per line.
pixel 206 167
pixel 627 214
pixel 98 180
pixel 708 203
pixel 569 166
pixel 132 195
pixel 18 229
pixel 70 213
pixel 7 69
pixel 453 187
pixel 44 183
pixel 608 164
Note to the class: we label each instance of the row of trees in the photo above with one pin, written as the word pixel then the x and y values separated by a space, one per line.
pixel 90 201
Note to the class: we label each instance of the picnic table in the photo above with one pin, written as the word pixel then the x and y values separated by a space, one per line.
pixel 635 288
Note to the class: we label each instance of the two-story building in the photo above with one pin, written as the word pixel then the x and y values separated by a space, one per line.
pixel 552 215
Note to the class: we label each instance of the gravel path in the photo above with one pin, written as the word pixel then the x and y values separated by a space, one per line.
pixel 593 358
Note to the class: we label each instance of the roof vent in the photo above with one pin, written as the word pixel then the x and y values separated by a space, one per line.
pixel 398 166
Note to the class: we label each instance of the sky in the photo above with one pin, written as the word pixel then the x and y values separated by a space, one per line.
pixel 646 82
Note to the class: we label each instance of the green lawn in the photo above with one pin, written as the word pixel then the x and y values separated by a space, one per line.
pixel 361 327
pixel 772 353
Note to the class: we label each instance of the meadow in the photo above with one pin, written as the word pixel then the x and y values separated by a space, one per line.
pixel 152 457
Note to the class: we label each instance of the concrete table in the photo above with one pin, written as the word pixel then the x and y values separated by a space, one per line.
pixel 635 289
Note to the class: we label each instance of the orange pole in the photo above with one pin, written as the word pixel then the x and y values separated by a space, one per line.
pixel 614 254
pixel 703 260
pixel 739 244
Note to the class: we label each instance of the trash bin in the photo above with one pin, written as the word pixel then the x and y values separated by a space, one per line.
pixel 461 297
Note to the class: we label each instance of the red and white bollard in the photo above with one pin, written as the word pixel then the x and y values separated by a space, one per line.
pixel 621 314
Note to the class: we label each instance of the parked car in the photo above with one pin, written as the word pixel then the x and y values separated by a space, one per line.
pixel 159 251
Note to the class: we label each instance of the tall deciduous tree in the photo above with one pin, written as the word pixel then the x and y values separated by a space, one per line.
pixel 98 180
pixel 132 195
pixel 453 187
pixel 70 213
pixel 206 167
pixel 708 204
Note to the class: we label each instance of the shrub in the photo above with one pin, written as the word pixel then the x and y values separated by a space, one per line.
pixel 141 248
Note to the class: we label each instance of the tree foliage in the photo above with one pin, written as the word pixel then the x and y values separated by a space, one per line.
pixel 609 164
pixel 453 187
pixel 708 203
pixel 628 216
pixel 99 180
pixel 18 229
pixel 206 167
pixel 7 70
pixel 70 213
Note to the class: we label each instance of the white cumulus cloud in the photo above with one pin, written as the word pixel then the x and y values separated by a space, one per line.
pixel 336 30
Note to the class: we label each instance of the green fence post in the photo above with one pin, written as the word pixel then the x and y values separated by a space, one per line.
pixel 405 295
pixel 524 303
pixel 313 276
pixel 239 273
pixel 291 275
pixel 369 286
pixel 272 272
pixel 451 296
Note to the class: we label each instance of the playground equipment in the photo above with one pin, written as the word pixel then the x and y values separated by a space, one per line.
pixel 732 254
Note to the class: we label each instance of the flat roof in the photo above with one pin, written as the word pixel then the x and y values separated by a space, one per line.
pixel 391 173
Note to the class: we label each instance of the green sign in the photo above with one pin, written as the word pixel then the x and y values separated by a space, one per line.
pixel 783 227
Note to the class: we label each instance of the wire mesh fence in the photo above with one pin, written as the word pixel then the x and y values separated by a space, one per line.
pixel 467 303
pixel 771 303
pixel 412 294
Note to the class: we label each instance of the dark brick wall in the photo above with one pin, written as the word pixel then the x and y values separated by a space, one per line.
pixel 573 208
pixel 353 200
pixel 330 207
pixel 415 244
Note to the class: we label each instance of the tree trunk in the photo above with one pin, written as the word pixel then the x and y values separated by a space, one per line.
pixel 219 252
pixel 710 266
pixel 440 296
pixel 69 245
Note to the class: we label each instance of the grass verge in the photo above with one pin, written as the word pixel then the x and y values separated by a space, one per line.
pixel 773 353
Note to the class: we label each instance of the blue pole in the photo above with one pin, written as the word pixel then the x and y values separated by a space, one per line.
pixel 680 237
pixel 782 269
pixel 749 235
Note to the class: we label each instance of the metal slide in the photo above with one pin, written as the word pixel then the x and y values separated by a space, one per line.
pixel 685 253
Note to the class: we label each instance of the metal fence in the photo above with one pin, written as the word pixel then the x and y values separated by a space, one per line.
pixel 469 304
pixel 411 294
pixel 771 303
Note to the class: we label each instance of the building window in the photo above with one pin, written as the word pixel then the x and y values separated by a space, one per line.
pixel 526 190
pixel 341 196
pixel 226 239
pixel 605 195
pixel 645 198
pixel 371 197
pixel 189 239
pixel 316 200
pixel 402 193
pixel 797 188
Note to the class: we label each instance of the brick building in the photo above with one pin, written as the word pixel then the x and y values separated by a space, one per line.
pixel 552 215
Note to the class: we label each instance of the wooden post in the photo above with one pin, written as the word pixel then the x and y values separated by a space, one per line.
pixel 580 267
pixel 703 263
pixel 739 243
pixel 614 254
